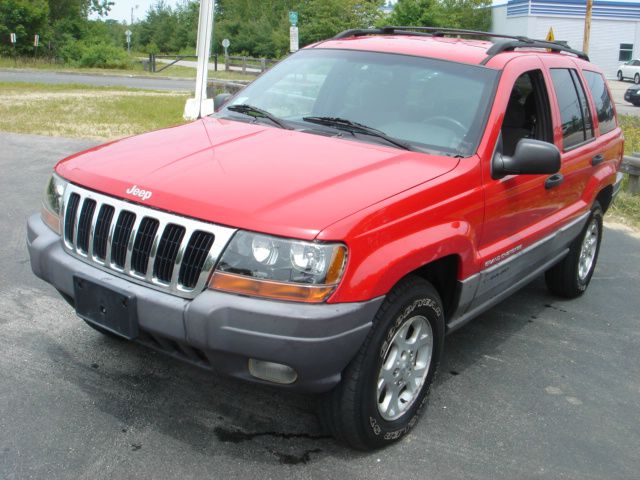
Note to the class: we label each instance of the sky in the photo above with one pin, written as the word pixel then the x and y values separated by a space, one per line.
pixel 121 10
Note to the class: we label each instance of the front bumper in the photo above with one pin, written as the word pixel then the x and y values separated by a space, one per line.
pixel 222 331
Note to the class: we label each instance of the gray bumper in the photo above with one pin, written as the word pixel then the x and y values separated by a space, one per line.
pixel 222 331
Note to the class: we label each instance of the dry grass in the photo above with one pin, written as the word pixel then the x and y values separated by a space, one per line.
pixel 101 113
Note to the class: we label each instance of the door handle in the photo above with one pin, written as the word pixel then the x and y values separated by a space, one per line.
pixel 597 160
pixel 553 181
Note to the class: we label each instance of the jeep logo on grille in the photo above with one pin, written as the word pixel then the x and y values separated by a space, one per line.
pixel 137 192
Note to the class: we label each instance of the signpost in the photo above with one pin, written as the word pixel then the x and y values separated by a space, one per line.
pixel 294 44
pixel 128 34
pixel 225 45
pixel 13 39
pixel 36 44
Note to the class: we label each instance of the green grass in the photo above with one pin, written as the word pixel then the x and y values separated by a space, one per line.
pixel 626 208
pixel 135 69
pixel 101 113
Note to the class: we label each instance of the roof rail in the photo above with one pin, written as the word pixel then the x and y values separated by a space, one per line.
pixel 430 31
pixel 510 42
pixel 510 45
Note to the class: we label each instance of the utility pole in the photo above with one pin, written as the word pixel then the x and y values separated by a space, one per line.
pixel 132 8
pixel 587 27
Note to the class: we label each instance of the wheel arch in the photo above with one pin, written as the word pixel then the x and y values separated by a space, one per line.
pixel 443 275
pixel 605 197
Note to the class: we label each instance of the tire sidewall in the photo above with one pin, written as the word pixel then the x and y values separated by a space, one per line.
pixel 379 431
pixel 620 75
pixel 636 78
pixel 596 215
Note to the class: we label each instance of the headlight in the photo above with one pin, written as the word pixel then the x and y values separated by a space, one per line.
pixel 266 266
pixel 52 202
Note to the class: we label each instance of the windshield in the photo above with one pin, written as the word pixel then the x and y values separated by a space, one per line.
pixel 430 104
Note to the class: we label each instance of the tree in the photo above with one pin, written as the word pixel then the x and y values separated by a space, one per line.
pixel 466 14
pixel 25 18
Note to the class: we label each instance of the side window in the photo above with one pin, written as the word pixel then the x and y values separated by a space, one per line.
pixel 574 110
pixel 604 105
pixel 528 113
pixel 584 105
pixel 626 52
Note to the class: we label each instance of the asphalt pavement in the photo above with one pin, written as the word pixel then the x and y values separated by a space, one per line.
pixel 535 388
pixel 144 82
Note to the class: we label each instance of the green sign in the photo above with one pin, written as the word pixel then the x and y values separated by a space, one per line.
pixel 293 18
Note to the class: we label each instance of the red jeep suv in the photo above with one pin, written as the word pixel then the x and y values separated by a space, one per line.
pixel 331 222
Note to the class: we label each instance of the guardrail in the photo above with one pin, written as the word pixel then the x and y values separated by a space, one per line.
pixel 631 166
pixel 249 65
pixel 152 66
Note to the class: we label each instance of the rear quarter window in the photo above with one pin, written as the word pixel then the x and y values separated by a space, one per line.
pixel 604 105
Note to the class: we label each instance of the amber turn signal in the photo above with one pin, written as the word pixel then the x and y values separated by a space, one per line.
pixel 51 219
pixel 229 282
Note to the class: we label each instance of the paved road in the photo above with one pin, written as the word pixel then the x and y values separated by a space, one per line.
pixel 7 75
pixel 622 107
pixel 535 388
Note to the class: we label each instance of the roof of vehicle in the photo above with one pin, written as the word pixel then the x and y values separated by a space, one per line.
pixel 445 44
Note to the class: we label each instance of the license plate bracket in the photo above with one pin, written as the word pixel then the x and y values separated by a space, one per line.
pixel 111 308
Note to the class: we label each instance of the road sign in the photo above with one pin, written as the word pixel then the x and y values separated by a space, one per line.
pixel 293 19
pixel 293 39
pixel 36 40
pixel 550 36
pixel 13 38
pixel 128 33
pixel 226 43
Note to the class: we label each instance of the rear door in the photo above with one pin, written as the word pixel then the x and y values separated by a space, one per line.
pixel 574 133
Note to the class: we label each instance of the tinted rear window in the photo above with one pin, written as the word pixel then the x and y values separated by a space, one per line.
pixel 604 105
pixel 574 112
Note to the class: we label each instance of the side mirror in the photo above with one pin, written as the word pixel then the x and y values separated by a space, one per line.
pixel 220 100
pixel 531 157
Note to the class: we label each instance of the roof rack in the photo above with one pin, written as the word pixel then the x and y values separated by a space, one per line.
pixel 510 45
pixel 510 42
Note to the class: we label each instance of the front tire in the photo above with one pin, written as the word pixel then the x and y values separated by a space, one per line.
pixel 384 388
pixel 620 77
pixel 570 278
pixel 636 78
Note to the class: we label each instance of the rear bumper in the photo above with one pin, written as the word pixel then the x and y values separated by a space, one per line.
pixel 222 331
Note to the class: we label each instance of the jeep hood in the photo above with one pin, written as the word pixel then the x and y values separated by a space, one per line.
pixel 252 176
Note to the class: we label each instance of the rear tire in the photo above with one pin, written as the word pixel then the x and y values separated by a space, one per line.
pixel 384 388
pixel 620 77
pixel 636 78
pixel 570 278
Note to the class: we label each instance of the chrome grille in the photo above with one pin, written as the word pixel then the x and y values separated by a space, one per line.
pixel 164 251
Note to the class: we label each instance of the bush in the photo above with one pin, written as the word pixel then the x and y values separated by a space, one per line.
pixel 102 55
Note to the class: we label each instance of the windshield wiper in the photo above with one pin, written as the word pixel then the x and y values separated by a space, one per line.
pixel 256 112
pixel 345 124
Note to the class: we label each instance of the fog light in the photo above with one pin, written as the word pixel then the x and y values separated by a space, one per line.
pixel 272 372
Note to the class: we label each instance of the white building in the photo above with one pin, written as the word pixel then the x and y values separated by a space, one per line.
pixel 615 26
